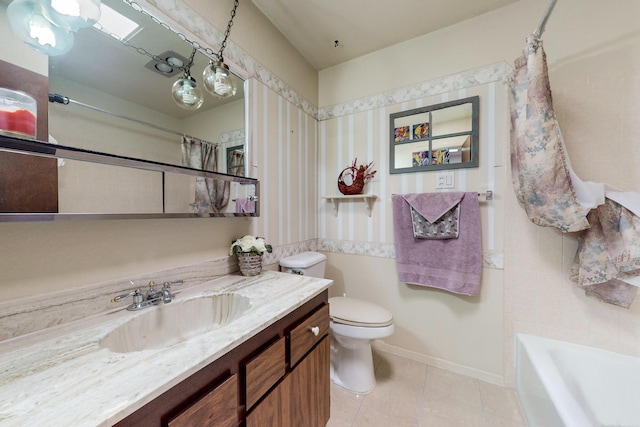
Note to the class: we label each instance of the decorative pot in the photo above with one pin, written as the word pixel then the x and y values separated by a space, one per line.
pixel 357 184
pixel 250 264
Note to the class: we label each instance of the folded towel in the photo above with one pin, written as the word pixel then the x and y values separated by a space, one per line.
pixel 437 219
pixel 450 264
pixel 245 205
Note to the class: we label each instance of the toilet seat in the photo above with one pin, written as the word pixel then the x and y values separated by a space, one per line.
pixel 354 312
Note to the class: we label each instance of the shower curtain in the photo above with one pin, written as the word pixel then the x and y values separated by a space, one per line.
pixel 212 195
pixel 544 183
pixel 608 259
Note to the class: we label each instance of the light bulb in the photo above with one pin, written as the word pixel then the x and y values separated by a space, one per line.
pixel 187 94
pixel 30 22
pixel 218 80
pixel 74 14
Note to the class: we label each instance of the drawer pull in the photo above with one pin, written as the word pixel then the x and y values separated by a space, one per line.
pixel 315 330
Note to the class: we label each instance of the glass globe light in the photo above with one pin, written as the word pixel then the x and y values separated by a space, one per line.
pixel 218 80
pixel 31 22
pixel 187 94
pixel 74 14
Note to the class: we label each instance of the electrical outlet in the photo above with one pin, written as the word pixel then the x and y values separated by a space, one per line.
pixel 445 179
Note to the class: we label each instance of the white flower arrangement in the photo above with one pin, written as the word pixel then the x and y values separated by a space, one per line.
pixel 250 245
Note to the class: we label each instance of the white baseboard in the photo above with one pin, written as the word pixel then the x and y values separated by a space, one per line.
pixel 439 363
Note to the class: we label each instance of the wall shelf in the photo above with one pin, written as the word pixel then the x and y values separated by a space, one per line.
pixel 366 198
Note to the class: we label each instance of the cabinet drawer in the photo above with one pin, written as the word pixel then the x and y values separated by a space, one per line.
pixel 305 335
pixel 264 370
pixel 218 408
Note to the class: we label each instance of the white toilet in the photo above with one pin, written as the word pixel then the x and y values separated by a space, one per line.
pixel 354 323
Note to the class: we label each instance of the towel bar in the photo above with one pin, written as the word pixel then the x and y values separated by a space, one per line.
pixel 251 198
pixel 488 195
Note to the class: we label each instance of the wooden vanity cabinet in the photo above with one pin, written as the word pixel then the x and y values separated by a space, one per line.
pixel 219 407
pixel 256 383
pixel 302 397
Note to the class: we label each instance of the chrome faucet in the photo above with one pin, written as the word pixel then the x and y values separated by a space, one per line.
pixel 153 296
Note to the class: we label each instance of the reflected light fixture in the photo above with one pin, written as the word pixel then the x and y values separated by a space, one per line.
pixel 75 14
pixel 185 91
pixel 48 25
pixel 217 78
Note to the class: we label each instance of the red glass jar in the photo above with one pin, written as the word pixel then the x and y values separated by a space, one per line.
pixel 18 114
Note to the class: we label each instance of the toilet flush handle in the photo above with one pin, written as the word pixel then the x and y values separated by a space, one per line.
pixel 315 330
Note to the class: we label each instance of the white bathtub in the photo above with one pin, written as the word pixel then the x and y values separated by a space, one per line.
pixel 564 384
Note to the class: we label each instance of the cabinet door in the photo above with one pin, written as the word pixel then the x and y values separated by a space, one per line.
pixel 264 370
pixel 275 409
pixel 217 408
pixel 310 400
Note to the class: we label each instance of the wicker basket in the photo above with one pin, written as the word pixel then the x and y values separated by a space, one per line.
pixel 250 264
pixel 356 187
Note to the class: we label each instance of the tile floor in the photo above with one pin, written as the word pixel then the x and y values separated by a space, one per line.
pixel 410 393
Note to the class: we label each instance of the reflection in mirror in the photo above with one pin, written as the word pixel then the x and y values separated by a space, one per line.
pixel 235 160
pixel 127 78
pixel 103 159
pixel 442 136
pixel 107 186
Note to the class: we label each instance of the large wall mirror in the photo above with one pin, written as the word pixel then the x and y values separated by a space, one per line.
pixel 436 137
pixel 115 101
pixel 121 77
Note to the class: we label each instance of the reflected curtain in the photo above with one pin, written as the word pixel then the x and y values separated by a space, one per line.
pixel 212 195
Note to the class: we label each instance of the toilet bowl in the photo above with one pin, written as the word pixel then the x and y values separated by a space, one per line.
pixel 353 324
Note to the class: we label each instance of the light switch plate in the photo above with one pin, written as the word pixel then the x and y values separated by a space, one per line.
pixel 445 179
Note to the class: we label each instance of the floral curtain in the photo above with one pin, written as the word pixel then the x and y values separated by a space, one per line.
pixel 212 195
pixel 539 164
pixel 608 258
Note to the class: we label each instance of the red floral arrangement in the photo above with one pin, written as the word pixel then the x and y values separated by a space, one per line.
pixel 353 178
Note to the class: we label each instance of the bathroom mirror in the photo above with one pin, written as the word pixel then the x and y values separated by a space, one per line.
pixel 436 137
pixel 122 77
pixel 94 165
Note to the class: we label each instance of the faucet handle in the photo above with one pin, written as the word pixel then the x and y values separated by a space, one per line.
pixel 176 283
pixel 133 293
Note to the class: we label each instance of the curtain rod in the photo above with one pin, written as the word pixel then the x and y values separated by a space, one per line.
pixel 61 99
pixel 543 22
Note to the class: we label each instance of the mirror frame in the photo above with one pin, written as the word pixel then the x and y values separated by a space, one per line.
pixel 473 134
pixel 230 151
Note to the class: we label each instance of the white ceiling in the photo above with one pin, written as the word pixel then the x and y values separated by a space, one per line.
pixel 363 26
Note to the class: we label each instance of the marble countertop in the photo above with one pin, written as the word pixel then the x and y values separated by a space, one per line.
pixel 61 375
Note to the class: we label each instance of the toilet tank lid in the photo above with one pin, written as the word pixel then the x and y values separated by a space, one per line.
pixel 302 260
pixel 355 310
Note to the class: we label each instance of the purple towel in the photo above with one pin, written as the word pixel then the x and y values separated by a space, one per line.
pixel 245 205
pixel 451 264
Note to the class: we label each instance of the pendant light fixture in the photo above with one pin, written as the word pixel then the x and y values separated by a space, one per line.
pixel 217 78
pixel 48 25
pixel 185 90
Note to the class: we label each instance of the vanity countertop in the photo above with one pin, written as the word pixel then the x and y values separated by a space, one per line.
pixel 61 376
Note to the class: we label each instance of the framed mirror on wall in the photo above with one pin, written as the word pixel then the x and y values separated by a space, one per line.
pixel 435 137
pixel 235 160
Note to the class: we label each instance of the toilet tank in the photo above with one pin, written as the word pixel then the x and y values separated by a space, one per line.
pixel 305 263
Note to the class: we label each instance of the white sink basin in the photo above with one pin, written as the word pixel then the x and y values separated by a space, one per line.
pixel 167 324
